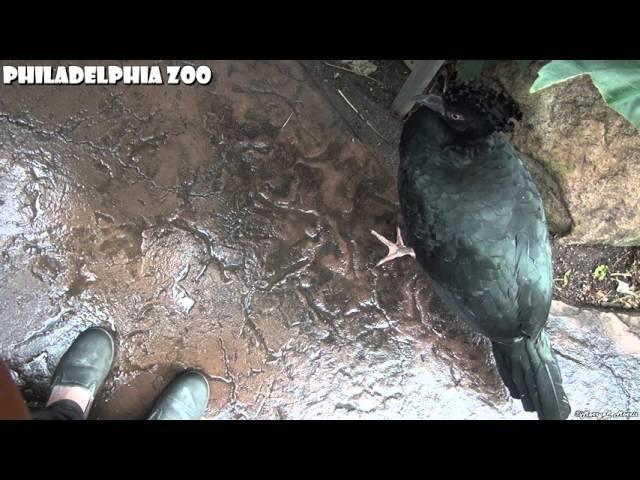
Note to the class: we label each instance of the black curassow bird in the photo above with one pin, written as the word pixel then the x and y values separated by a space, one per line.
pixel 475 223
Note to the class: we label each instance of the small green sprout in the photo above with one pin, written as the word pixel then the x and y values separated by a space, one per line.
pixel 601 272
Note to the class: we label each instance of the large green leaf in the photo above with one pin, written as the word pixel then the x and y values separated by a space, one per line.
pixel 617 80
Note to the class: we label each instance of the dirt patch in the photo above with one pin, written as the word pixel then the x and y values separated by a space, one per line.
pixel 591 275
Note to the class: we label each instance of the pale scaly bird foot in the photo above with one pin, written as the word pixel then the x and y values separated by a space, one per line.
pixel 396 250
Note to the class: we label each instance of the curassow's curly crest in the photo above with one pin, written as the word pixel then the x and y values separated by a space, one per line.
pixel 499 107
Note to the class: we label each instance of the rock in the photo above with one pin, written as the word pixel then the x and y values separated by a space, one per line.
pixel 597 348
pixel 631 320
pixel 558 218
pixel 592 152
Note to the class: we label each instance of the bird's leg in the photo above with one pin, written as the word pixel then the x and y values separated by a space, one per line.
pixel 396 250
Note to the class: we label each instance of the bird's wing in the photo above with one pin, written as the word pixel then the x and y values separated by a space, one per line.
pixel 481 236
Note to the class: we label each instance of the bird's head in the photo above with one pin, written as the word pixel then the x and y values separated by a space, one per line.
pixel 473 111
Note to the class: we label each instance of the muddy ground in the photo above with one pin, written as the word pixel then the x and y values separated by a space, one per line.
pixel 372 96
pixel 226 227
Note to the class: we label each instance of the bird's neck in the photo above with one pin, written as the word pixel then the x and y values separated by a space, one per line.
pixel 426 131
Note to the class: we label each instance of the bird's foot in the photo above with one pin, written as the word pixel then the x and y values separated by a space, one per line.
pixel 396 250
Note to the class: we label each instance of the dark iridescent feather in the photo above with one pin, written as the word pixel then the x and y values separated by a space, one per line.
pixel 475 220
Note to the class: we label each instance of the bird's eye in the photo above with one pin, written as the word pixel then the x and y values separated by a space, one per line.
pixel 456 116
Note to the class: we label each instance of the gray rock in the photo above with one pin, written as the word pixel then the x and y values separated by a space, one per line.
pixel 599 354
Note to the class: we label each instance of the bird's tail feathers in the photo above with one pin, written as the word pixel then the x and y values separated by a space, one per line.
pixel 530 371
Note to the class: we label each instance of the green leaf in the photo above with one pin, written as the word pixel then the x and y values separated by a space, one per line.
pixel 601 272
pixel 618 81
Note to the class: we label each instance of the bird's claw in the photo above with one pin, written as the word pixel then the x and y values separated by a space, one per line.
pixel 396 250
